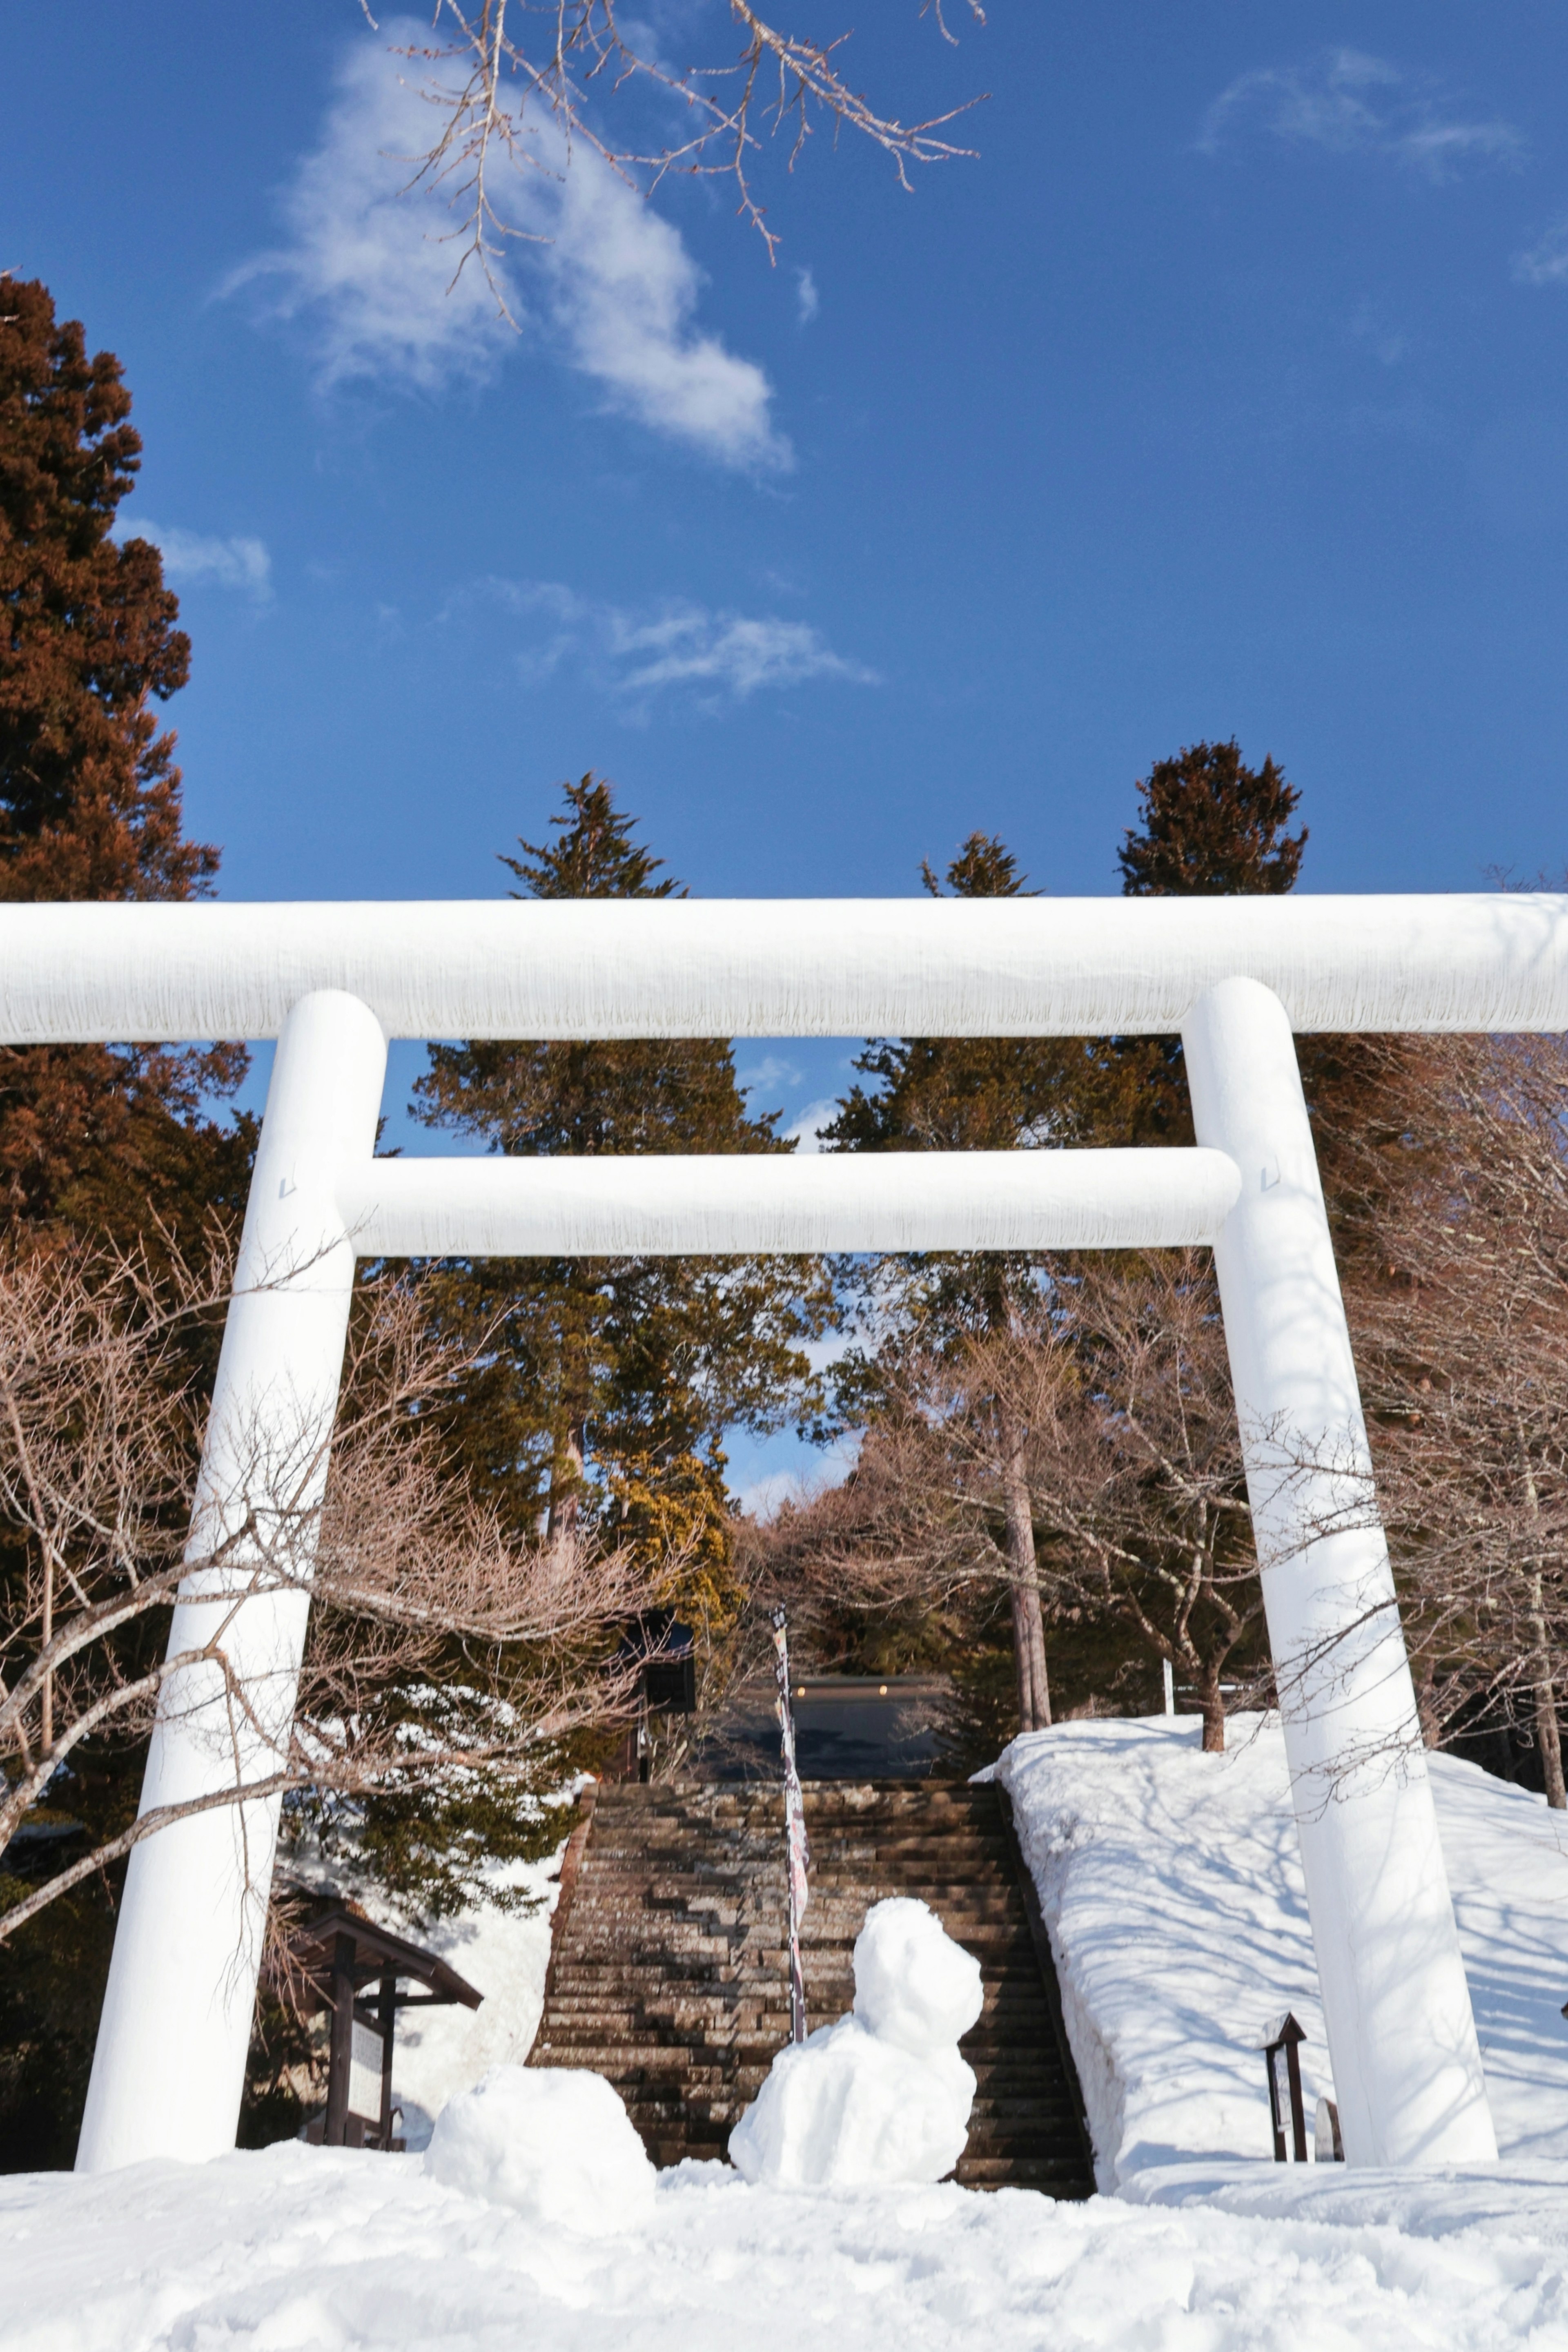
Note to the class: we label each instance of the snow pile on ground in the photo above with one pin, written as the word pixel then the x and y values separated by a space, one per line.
pixel 327 2250
pixel 1172 1885
pixel 503 1955
pixel 883 2096
pixel 502 1951
pixel 554 2144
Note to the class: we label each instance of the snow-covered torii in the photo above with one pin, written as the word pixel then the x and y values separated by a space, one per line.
pixel 333 984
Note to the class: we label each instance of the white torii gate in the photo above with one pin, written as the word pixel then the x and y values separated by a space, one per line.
pixel 332 983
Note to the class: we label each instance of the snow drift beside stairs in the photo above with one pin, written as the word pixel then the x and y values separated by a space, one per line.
pixel 1171 1882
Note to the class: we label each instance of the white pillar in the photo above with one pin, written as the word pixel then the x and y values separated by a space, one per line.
pixel 169 2069
pixel 1402 2040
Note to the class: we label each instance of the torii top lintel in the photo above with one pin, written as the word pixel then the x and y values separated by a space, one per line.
pixel 779 967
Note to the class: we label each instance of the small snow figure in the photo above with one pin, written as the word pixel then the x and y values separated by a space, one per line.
pixel 883 2096
pixel 553 2142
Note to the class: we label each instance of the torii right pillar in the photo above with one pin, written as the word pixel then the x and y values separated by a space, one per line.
pixel 1402 2038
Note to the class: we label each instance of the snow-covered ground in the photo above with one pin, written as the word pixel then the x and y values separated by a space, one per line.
pixel 319 2251
pixel 1173 1889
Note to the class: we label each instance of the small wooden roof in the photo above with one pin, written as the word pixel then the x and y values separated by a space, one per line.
pixel 376 1950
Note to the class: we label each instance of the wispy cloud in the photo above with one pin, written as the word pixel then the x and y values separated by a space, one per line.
pixel 807 298
pixel 367 269
pixel 191 558
pixel 771 1071
pixel 690 647
pixel 370 273
pixel 726 655
pixel 623 290
pixel 1350 103
pixel 1545 263
pixel 807 1131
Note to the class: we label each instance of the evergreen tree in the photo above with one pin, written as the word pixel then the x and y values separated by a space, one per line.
pixel 609 1381
pixel 979 1094
pixel 1211 828
pixel 93 1140
pixel 1211 825
pixel 89 794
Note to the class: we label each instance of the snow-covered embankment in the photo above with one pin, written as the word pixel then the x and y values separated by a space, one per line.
pixel 1172 1885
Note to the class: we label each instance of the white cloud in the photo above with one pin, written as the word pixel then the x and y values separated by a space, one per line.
pixel 806 295
pixel 690 647
pixel 1546 262
pixel 679 645
pixel 368 268
pixel 808 1130
pixel 1350 103
pixel 370 272
pixel 623 291
pixel 191 557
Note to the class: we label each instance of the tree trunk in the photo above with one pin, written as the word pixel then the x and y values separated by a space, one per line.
pixel 47 1636
pixel 566 1481
pixel 1213 1706
pixel 1029 1623
pixel 1547 1729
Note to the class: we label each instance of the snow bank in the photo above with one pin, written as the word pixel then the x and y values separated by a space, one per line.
pixel 1172 1885
pixel 883 2096
pixel 504 1953
pixel 327 2250
pixel 555 2144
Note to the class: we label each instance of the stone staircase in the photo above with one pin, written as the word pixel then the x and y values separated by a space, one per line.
pixel 668 1971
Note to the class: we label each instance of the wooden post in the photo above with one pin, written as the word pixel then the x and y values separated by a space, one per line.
pixel 343 2045
pixel 1281 2054
pixel 389 2022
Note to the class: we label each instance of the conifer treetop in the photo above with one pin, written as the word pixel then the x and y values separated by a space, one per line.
pixel 1212 825
pixel 595 856
pixel 90 796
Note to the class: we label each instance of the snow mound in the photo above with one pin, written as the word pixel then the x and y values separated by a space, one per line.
pixel 554 2143
pixel 883 2097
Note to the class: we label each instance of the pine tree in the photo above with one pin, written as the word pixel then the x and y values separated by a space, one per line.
pixel 89 794
pixel 610 1381
pixel 1212 825
pixel 93 1140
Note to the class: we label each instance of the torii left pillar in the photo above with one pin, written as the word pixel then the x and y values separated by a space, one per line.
pixel 169 2069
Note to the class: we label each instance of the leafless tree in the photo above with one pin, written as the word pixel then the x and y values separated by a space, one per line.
pixel 1138 1489
pixel 519 82
pixel 436 1645
pixel 1460 1318
pixel 1107 1427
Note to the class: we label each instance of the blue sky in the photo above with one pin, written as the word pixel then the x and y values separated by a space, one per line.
pixel 1224 392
